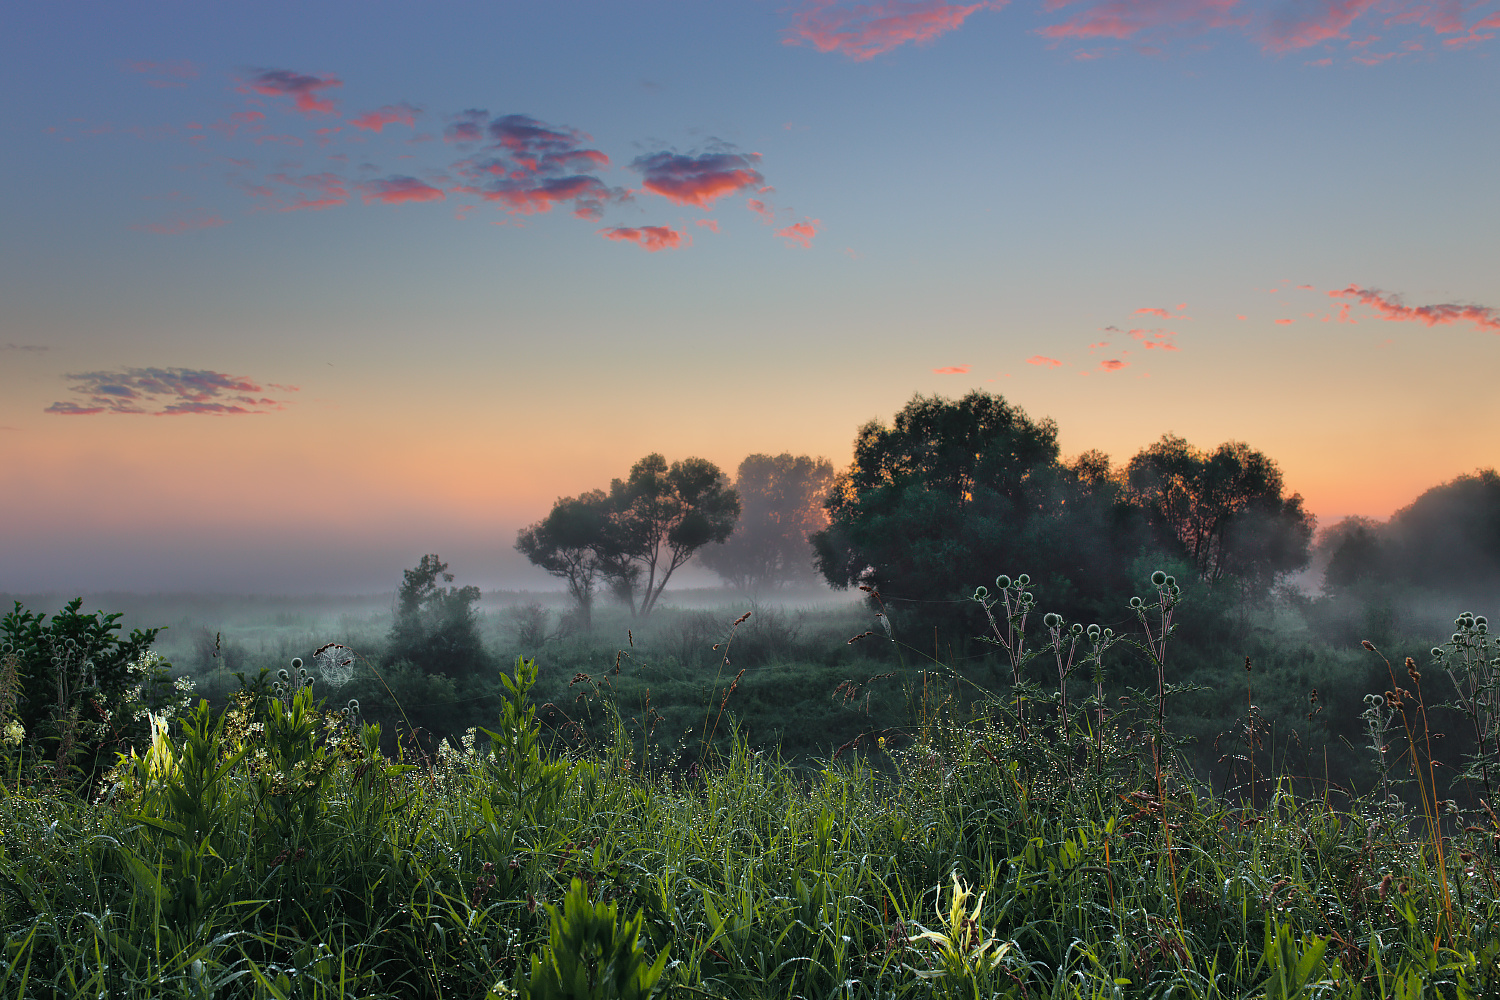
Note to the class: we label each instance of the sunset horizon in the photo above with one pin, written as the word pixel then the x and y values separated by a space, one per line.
pixel 286 310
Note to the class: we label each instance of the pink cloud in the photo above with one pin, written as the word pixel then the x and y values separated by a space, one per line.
pixel 1239 315
pixel 864 30
pixel 649 238
pixel 800 233
pixel 699 180
pixel 302 89
pixel 1155 339
pixel 760 208
pixel 399 190
pixel 1444 17
pixel 391 114
pixel 1390 308
pixel 1152 311
pixel 1124 19
pixel 1113 365
pixel 165 392
pixel 712 225
pixel 182 224
pixel 1043 362
pixel 314 191
pixel 952 370
pixel 248 120
pixel 1474 36
pixel 530 166
pixel 1283 322
pixel 1321 21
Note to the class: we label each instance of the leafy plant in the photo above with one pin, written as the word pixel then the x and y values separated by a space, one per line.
pixel 591 955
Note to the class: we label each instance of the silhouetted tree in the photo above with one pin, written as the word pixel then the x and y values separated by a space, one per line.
pixel 1354 551
pixel 1227 508
pixel 956 491
pixel 1448 539
pixel 647 525
pixel 574 542
pixel 660 515
pixel 782 504
pixel 435 627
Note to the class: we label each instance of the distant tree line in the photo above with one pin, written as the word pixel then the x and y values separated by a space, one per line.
pixel 1447 540
pixel 947 495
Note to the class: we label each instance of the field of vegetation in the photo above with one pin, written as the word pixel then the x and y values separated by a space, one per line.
pixel 761 802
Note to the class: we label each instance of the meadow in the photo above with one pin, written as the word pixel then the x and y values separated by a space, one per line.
pixel 736 800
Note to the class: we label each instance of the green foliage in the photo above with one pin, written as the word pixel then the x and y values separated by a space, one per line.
pixel 591 955
pixel 955 487
pixel 435 626
pixel 75 685
pixel 270 849
pixel 1227 508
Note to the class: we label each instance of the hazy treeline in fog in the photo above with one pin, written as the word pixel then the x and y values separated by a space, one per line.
pixel 943 499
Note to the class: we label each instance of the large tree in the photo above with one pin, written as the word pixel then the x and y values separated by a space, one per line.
pixel 955 491
pixel 661 515
pixel 574 542
pixel 782 501
pixel 635 535
pixel 1228 508
pixel 435 626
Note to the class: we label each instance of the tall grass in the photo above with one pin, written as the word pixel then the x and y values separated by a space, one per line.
pixel 1010 845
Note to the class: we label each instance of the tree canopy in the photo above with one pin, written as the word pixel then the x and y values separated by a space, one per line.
pixel 1227 507
pixel 953 492
pixel 782 506
pixel 637 534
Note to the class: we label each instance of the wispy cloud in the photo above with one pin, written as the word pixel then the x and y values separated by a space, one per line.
pixel 865 30
pixel 165 74
pixel 312 192
pixel 529 166
pixel 767 213
pixel 1113 365
pixel 305 91
pixel 399 190
pixel 800 233
pixel 699 180
pixel 1277 28
pixel 178 225
pixel 649 238
pixel 952 370
pixel 391 114
pixel 1042 361
pixel 1160 340
pixel 1390 307
pixel 712 225
pixel 165 392
pixel 1129 19
pixel 23 347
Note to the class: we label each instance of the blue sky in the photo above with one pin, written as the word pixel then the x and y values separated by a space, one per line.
pixel 1072 205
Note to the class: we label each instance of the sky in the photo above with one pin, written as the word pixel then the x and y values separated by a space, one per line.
pixel 292 294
